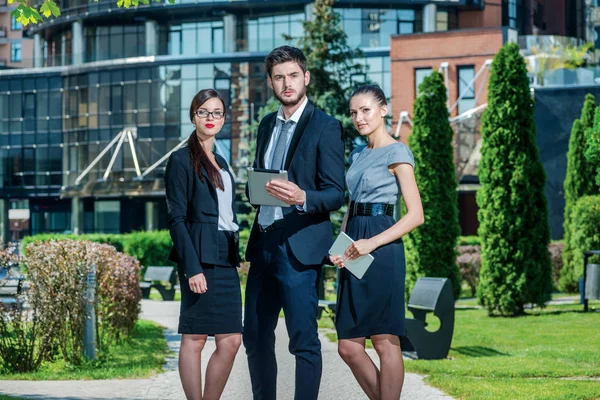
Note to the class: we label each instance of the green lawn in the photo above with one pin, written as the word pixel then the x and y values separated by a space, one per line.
pixel 139 357
pixel 155 295
pixel 4 397
pixel 547 354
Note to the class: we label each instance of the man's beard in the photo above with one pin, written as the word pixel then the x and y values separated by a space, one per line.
pixel 290 101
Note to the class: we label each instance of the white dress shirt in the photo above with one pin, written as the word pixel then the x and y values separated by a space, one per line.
pixel 271 148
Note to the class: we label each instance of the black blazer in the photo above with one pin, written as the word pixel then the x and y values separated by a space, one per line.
pixel 315 162
pixel 193 212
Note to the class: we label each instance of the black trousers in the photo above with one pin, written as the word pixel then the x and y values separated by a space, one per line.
pixel 277 280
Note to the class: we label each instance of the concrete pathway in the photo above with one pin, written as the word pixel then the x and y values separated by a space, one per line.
pixel 337 382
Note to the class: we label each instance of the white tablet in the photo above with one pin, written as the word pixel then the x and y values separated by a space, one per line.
pixel 257 179
pixel 357 267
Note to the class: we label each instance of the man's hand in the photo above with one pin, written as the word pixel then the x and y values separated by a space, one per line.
pixel 338 261
pixel 198 283
pixel 287 192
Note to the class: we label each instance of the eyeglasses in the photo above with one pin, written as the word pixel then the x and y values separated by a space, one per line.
pixel 205 114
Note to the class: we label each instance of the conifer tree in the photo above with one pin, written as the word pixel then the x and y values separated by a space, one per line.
pixel 430 249
pixel 578 183
pixel 513 215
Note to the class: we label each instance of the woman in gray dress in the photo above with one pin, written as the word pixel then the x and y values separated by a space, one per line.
pixel 373 307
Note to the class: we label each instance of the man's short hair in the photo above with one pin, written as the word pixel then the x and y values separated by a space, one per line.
pixel 285 54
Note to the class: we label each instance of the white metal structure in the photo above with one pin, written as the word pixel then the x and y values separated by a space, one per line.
pixel 484 70
pixel 129 134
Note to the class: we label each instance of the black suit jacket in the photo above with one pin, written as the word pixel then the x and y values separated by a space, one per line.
pixel 315 162
pixel 193 212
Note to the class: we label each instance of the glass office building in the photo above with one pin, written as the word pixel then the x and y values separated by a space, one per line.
pixel 83 132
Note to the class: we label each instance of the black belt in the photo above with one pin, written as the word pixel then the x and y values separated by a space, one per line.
pixel 370 209
pixel 278 224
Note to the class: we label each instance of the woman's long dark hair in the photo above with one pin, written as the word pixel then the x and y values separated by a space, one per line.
pixel 199 158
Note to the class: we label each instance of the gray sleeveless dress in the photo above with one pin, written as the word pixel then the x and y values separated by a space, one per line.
pixel 374 305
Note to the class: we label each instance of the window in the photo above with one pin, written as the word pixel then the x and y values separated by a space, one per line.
pixel 420 75
pixel 511 13
pixel 107 216
pixel 373 27
pixel 15 25
pixel 265 33
pixel 406 21
pixel 15 52
pixel 466 88
pixel 441 21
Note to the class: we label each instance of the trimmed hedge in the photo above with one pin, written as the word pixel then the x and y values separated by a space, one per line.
pixel 114 240
pixel 150 248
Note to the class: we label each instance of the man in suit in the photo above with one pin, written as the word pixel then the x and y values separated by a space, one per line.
pixel 288 245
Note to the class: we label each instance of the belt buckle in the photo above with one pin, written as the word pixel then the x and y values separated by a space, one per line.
pixel 269 228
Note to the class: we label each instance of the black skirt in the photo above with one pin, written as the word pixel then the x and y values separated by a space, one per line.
pixel 219 309
pixel 373 305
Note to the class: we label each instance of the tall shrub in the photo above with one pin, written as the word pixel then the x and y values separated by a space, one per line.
pixel 430 249
pixel 25 332
pixel 592 151
pixel 578 183
pixel 513 214
pixel 57 272
pixel 586 230
pixel 118 294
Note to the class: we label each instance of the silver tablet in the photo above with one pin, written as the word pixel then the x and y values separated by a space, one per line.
pixel 257 179
pixel 357 267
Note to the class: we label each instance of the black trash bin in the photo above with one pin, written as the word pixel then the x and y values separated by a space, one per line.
pixel 591 278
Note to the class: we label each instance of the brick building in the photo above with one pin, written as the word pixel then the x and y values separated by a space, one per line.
pixel 15 51
pixel 463 56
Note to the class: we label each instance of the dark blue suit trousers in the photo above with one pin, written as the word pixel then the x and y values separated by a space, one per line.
pixel 276 280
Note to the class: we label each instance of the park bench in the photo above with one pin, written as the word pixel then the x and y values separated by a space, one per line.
pixel 12 284
pixel 156 277
pixel 430 295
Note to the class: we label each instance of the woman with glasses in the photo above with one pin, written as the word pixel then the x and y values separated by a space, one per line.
pixel 200 193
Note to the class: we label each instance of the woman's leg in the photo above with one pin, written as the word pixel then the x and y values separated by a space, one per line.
pixel 220 364
pixel 190 368
pixel 391 377
pixel 353 353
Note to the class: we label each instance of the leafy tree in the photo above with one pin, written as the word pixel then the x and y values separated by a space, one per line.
pixel 513 215
pixel 430 249
pixel 27 14
pixel 334 66
pixel 578 183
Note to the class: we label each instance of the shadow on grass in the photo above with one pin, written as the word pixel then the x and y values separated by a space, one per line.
pixel 466 308
pixel 478 351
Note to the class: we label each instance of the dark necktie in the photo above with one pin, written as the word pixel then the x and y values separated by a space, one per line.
pixel 267 213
